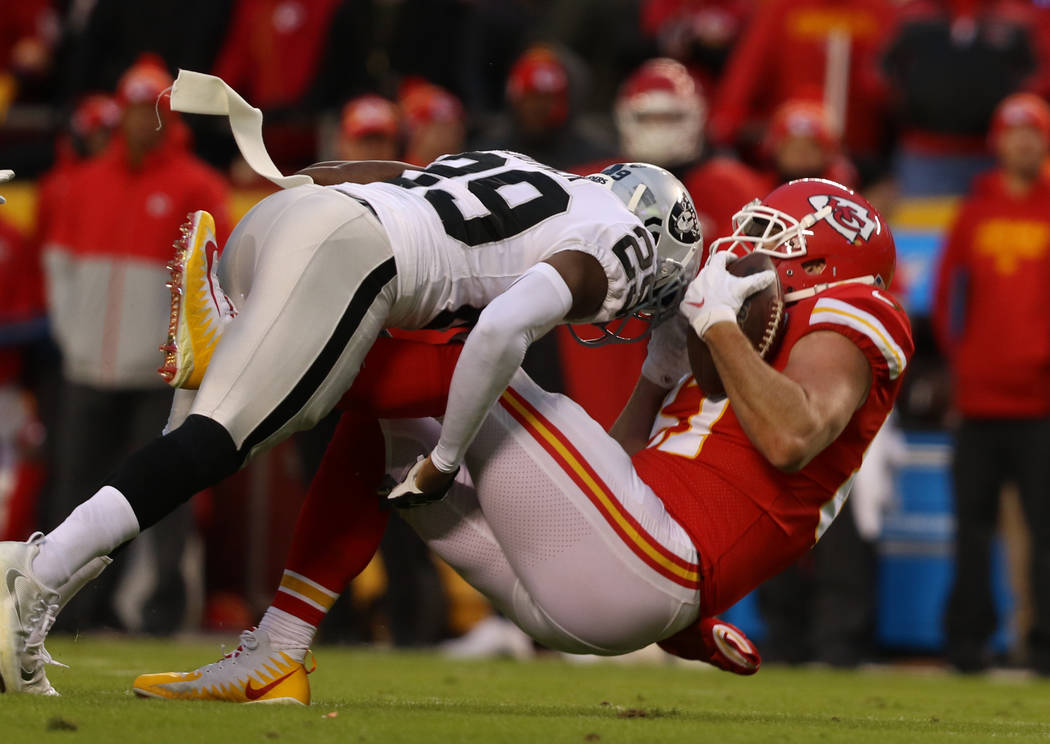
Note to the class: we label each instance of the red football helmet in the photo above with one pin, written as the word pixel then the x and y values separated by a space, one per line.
pixel 660 114
pixel 819 233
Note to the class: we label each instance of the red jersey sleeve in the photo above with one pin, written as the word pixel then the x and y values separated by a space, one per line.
pixel 872 319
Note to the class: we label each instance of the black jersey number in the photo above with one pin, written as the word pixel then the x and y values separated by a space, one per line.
pixel 503 220
pixel 636 253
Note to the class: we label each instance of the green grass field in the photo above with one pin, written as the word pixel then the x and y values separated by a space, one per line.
pixel 413 697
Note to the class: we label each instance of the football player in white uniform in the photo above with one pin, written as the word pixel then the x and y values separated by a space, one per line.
pixel 492 239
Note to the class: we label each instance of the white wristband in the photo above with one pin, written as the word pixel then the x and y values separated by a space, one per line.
pixel 702 323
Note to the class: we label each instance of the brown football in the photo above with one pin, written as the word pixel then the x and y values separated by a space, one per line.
pixel 761 318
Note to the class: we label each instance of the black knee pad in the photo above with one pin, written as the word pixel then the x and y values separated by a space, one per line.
pixel 169 470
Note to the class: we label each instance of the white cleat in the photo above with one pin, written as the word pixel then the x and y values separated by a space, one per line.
pixel 255 672
pixel 27 612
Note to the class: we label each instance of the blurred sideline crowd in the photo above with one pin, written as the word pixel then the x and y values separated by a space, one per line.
pixel 935 109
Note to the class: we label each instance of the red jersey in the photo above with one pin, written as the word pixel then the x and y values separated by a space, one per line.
pixel 748 519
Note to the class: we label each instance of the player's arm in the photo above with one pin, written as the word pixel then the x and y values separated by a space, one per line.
pixel 635 422
pixel 791 416
pixel 665 364
pixel 568 285
pixel 332 172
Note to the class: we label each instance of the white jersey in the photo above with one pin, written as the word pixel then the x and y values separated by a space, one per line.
pixel 464 228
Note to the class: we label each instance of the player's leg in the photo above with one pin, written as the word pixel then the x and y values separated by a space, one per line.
pixel 458 531
pixel 322 286
pixel 337 533
pixel 593 546
pixel 563 536
pixel 340 523
pixel 333 541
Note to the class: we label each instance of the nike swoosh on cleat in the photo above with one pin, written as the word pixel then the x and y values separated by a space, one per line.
pixel 13 575
pixel 253 693
pixel 210 249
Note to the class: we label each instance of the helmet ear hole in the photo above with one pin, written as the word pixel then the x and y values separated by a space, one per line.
pixel 815 267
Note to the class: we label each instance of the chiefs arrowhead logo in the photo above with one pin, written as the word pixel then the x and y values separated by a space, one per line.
pixel 849 219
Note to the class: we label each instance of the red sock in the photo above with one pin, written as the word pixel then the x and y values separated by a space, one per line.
pixel 341 522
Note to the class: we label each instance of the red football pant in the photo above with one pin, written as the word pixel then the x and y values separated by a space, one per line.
pixel 342 520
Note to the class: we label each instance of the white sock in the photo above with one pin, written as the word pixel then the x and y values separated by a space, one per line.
pixel 287 632
pixel 96 527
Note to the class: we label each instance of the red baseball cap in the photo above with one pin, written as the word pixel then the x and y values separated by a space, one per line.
pixel 94 112
pixel 423 103
pixel 801 118
pixel 369 114
pixel 1021 110
pixel 538 70
pixel 143 81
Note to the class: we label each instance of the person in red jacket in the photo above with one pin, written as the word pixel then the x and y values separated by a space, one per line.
pixel 94 119
pixel 104 260
pixel 815 49
pixel 990 317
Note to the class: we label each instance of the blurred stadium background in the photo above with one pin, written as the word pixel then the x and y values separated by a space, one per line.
pixel 895 97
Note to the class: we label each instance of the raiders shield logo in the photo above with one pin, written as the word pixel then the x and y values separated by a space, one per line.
pixel 849 219
pixel 683 223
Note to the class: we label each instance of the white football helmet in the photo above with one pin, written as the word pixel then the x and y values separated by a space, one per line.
pixel 660 114
pixel 665 209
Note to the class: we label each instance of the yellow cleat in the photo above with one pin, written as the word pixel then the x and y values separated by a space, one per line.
pixel 199 307
pixel 254 673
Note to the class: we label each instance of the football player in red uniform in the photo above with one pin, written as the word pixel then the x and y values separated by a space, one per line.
pixel 603 543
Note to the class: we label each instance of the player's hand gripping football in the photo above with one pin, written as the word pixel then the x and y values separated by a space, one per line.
pixel 715 296
pixel 424 484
